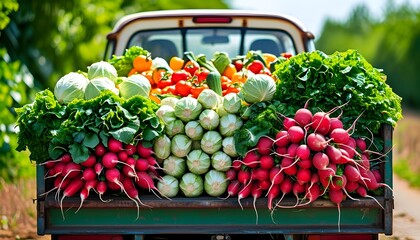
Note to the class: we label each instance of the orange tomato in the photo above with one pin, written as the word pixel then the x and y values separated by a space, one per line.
pixel 229 71
pixel 176 63
pixel 153 94
pixel 131 72
pixel 142 63
pixel 148 75
pixel 269 58
pixel 158 74
pixel 239 77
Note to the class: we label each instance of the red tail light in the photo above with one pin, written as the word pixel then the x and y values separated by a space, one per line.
pixel 212 19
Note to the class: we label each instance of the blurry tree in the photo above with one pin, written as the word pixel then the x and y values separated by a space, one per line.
pixel 390 42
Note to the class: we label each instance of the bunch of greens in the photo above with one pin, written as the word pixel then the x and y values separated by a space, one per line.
pixel 324 82
pixel 48 129
pixel 333 80
pixel 124 63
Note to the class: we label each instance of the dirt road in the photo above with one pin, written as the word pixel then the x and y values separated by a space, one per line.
pixel 406 212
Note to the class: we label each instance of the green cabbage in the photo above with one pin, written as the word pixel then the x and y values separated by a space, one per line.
pixel 187 109
pixel 168 186
pixel 209 99
pixel 209 119
pixel 70 86
pixel 258 88
pixel 229 124
pixel 221 161
pixel 174 166
pixel 102 69
pixel 162 147
pixel 166 113
pixel 136 84
pixel 211 142
pixel 215 183
pixel 198 162
pixel 194 130
pixel 181 145
pixel 97 85
pixel 191 185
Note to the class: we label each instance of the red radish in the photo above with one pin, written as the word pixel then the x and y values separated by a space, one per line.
pixel 361 144
pixel 272 193
pixel 338 182
pixel 264 145
pixel 350 147
pixel 231 174
pixel 114 145
pixel 377 175
pixel 351 186
pixel 59 184
pixel 251 159
pixel 340 135
pixel 145 181
pixel 71 170
pixel 297 189
pixel 100 150
pixel 276 175
pixel 282 139
pixel 84 193
pixel 101 188
pixel 335 122
pixel 321 123
pixel 129 172
pixel 286 187
pixel 144 152
pixel 296 134
pixel 256 193
pixel 292 150
pixel 316 142
pixel 89 162
pixel 320 161
pixel 237 164
pixel 312 193
pixel 288 166
pixel 110 160
pixel 305 163
pixel 281 151
pixel 244 176
pixel 142 164
pixel 98 168
pixel 58 168
pixel 65 158
pixel 303 117
pixel 363 193
pixel 130 149
pixel 265 185
pixel 337 197
pixel 334 154
pixel 132 193
pixel 233 188
pixel 259 174
pixel 288 122
pixel 303 151
pixel 89 174
pixel 113 175
pixel 267 162
pixel 351 173
pixel 152 161
pixel 122 156
pixel 74 186
pixel 244 192
pixel 303 175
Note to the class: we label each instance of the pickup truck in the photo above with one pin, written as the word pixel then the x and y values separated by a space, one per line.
pixel 171 33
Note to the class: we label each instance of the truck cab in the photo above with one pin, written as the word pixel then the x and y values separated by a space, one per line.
pixel 173 32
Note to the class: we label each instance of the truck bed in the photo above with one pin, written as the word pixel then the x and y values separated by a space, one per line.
pixel 209 215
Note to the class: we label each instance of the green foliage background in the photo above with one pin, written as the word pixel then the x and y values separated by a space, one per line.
pixel 40 41
pixel 390 42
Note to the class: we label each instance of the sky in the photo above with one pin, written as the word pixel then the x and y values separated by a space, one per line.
pixel 313 13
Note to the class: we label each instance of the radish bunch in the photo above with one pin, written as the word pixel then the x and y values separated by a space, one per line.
pixel 311 156
pixel 118 167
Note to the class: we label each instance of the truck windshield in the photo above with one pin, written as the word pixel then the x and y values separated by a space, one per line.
pixel 234 41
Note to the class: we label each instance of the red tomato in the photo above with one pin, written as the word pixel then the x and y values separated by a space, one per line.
pixel 238 65
pixel 256 66
pixel 179 75
pixel 201 74
pixel 164 83
pixel 191 67
pixel 183 88
pixel 170 89
pixel 195 91
pixel 287 55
